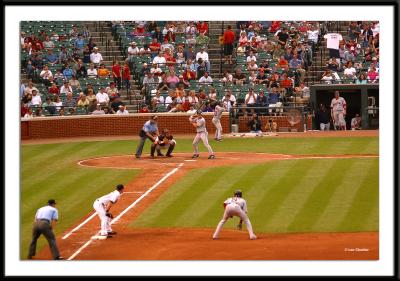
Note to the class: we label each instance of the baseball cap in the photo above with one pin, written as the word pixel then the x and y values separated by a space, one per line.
pixel 119 187
pixel 51 202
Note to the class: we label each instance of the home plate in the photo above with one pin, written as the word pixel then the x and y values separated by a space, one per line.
pixel 99 237
pixel 190 160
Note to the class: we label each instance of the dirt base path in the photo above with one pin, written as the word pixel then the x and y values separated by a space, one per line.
pixel 196 244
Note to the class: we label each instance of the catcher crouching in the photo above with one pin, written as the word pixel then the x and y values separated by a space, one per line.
pixel 164 141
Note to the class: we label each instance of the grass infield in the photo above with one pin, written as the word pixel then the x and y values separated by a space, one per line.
pixel 283 196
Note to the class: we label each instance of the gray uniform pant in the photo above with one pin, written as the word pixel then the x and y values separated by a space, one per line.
pixel 204 137
pixel 218 132
pixel 234 210
pixel 39 228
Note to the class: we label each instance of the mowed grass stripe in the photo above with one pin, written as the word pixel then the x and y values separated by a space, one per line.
pixel 317 201
pixel 364 203
pixel 278 192
pixel 343 196
pixel 178 192
pixel 298 199
pixel 217 189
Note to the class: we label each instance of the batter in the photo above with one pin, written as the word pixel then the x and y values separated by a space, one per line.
pixel 235 206
pixel 199 123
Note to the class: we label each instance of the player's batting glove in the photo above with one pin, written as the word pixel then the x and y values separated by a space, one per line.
pixel 239 226
pixel 108 214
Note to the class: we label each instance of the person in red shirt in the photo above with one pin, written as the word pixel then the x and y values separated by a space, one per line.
pixel 202 27
pixel 126 76
pixel 155 47
pixel 54 89
pixel 275 26
pixel 229 39
pixel 282 63
pixel 188 74
pixel 116 74
pixel 144 109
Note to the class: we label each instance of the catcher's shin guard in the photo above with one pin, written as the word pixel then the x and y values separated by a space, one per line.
pixel 170 149
pixel 153 149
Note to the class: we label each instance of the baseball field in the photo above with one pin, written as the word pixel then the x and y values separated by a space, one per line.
pixel 310 196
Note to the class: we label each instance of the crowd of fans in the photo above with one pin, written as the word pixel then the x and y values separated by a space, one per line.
pixel 267 63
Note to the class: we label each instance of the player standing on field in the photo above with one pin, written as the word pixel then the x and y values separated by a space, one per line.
pixel 199 123
pixel 235 206
pixel 338 111
pixel 217 121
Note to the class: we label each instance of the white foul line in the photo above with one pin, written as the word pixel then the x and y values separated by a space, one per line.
pixel 128 208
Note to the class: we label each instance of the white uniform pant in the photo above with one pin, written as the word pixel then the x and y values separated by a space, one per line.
pixel 105 221
pixel 218 132
pixel 204 137
pixel 234 210
pixel 338 118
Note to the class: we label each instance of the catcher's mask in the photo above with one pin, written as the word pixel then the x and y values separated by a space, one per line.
pixel 238 193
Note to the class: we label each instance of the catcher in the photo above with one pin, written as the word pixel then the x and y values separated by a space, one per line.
pixel 102 206
pixel 163 141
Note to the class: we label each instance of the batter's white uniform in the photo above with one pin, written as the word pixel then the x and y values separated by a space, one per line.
pixel 217 121
pixel 100 206
pixel 338 106
pixel 202 134
pixel 235 206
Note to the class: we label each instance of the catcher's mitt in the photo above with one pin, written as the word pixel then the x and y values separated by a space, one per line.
pixel 108 214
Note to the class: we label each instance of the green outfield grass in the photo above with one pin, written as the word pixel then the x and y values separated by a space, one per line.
pixel 283 196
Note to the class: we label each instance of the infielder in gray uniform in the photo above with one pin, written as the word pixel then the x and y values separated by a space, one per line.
pixel 235 206
pixel 217 121
pixel 199 123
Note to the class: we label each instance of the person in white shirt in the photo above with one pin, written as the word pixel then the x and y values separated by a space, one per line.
pixel 133 51
pixel 312 36
pixel 204 55
pixel 45 74
pixel 102 97
pixel 29 114
pixel 122 110
pixel 159 60
pixel 350 72
pixel 332 43
pixel 205 78
pixel 36 99
pixel 102 206
pixel 98 110
pixel 250 98
pixel 338 111
pixel 327 77
pixel 157 99
pixel 91 72
pixel 66 88
pixel 96 57
pixel 251 57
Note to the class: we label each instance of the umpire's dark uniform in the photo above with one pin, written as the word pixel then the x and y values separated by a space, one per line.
pixel 42 225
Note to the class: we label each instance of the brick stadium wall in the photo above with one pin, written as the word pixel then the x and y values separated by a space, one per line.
pixel 282 122
pixel 110 125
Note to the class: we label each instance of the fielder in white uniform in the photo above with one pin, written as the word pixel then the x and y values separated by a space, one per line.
pixel 102 206
pixel 217 121
pixel 235 206
pixel 199 123
pixel 338 111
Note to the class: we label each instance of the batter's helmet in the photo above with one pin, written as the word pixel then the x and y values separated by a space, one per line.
pixel 238 193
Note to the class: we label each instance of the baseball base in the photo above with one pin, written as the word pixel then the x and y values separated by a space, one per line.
pixel 99 237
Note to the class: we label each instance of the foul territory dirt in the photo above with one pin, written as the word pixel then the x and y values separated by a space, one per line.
pixel 197 243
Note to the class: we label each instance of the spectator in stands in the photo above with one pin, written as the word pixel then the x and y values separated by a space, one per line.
pixel 133 51
pixel 102 98
pixel 228 39
pixel 64 55
pixel 202 27
pixel 122 110
pixel 91 97
pixel 115 103
pixel 243 38
pixel 86 54
pixel 190 54
pixel 302 93
pixel 45 75
pixel 92 71
pixel 73 33
pixel 80 42
pixel 274 101
pixel 349 72
pixel 50 57
pixel 250 99
pixel 200 67
pixel 191 29
pixel 58 103
pixel 69 101
pixel 74 83
pixel 98 110
pixel 354 31
pixel 313 36
pixel 373 75
pixel 333 65
pixel 29 113
pixel 282 37
pixel 83 102
pixel 183 83
pixel 289 53
pixel 356 122
pixel 96 57
pixel 366 35
pixel 332 41
pixel 148 81
pixel 261 78
pixel 252 66
pixel 327 77
pixel 159 60
pixel 126 76
pixel 193 100
pixel 362 79
pixel 163 86
pixel 48 44
pixel 189 75
pixel 66 88
pixel 227 79
pixel 103 72
pixel 255 125
pixel 180 56
pixel 53 90
pixel 262 101
pixel 80 69
pixel 278 52
pixel 157 99
pixel 49 106
pixel 36 99
pixel 112 89
pixel 251 57
pixel 238 77
pixel 172 79
pixel 202 40
pixel 204 56
pixel 282 64
pixel 68 72
pixel 212 95
pixel 205 78
pixel 240 50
